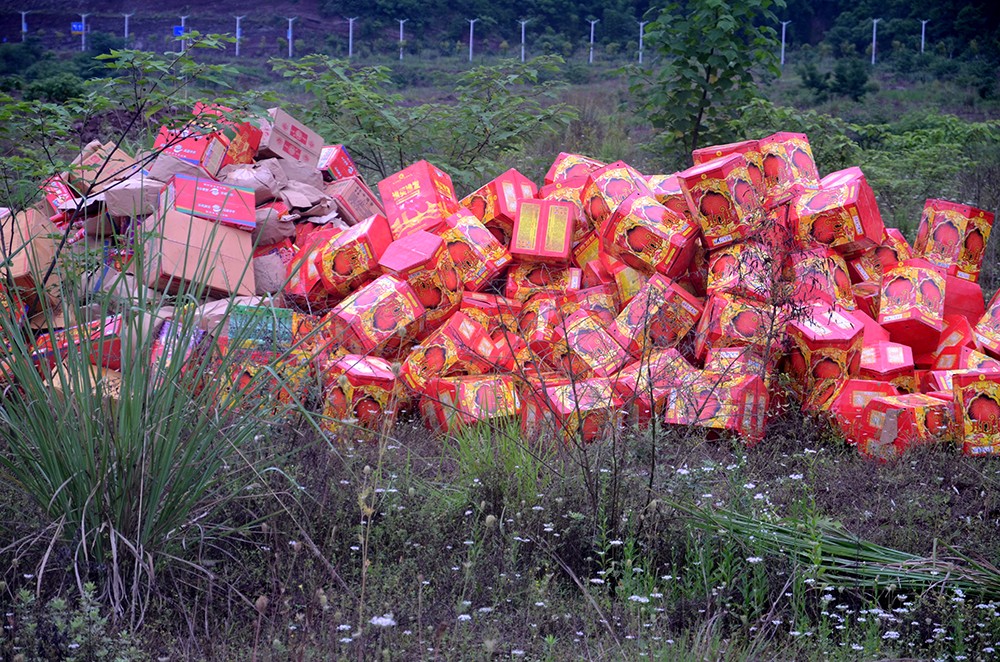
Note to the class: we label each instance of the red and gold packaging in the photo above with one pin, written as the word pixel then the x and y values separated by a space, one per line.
pixel 868 297
pixel 355 201
pixel 304 284
pixel 872 332
pixel 723 200
pixel 667 191
pixel 819 275
pixel 965 358
pixel 423 261
pixel 977 412
pixel 747 360
pixel 526 280
pixel 587 250
pixel 498 314
pixel 891 424
pixel 988 327
pixel 335 163
pixel 958 332
pixel 750 149
pixel 543 231
pixel 477 254
pixel 649 237
pixel 276 380
pixel 571 166
pixel 866 267
pixel 826 350
pixel 656 318
pixel 850 402
pixel 963 298
pixel 729 321
pixel 351 258
pixel 893 249
pixel 361 389
pixel 889 362
pixel 608 187
pixel 737 403
pixel 580 410
pixel 461 346
pixel 626 279
pixel 377 319
pixel 56 193
pixel 841 214
pixel 451 403
pixel 953 236
pixel 912 305
pixel 495 203
pixel 102 337
pixel 418 197
pixel 243 137
pixel 643 385
pixel 788 165
pixel 538 322
pixel 583 348
pixel 745 269
pixel 570 191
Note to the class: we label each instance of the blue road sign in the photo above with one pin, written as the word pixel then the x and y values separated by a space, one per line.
pixel 179 30
pixel 76 28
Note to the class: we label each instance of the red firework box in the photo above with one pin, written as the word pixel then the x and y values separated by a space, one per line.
pixel 841 214
pixel 275 378
pixel 958 332
pixel 819 275
pixel 850 402
pixel 498 314
pixel 587 250
pixel 788 166
pixel 287 138
pixel 206 151
pixel 628 280
pixel 649 237
pixel 696 278
pixel 537 323
pixel 335 163
pixel 643 385
pixel 461 346
pixel 418 197
pixel 988 327
pixel 571 166
pixel 377 319
pixel 213 201
pixel 361 388
pixel 595 274
pixel 889 362
pixel 965 358
pixel 495 203
pixel 893 249
pixel 826 349
pixel 57 193
pixel 351 257
pixel 750 149
pixel 243 137
pixel 729 321
pixel 739 361
pixel 355 201
pixel 953 236
pixel 608 187
pixel 422 260
pixel 570 191
pixel 723 200
pixel 892 424
pixel 656 318
pixel 526 280
pixel 745 269
pixel 581 410
pixel 872 332
pixel 866 267
pixel 963 298
pixel 737 403
pixel 912 305
pixel 304 283
pixel 867 297
pixel 977 412
pixel 583 348
pixel 455 402
pixel 667 191
pixel 477 254
pixel 599 301
pixel 543 231
pixel 102 337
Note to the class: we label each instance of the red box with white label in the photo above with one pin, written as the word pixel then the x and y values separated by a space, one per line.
pixel 543 231
pixel 826 349
pixel 723 200
pixel 206 151
pixel 841 214
pixel 355 201
pixel 213 201
pixel 954 236
pixel 750 149
pixel 850 402
pixel 495 203
pixel 649 237
pixel 892 424
pixel 788 165
pixel 243 137
pixel 287 138
pixel 418 197
pixel 335 163
pixel 422 260
pixel 889 362
pixel 351 258
pixel 57 193
pixel 451 403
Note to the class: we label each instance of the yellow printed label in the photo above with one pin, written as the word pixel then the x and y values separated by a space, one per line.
pixel 555 235
pixel 509 195
pixel 527 227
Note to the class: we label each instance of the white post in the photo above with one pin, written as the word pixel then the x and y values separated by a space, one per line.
pixel 642 28
pixel 874 32
pixel 127 16
pixel 83 35
pixel 239 34
pixel 24 25
pixel 401 22
pixel 184 42
pixel 523 23
pixel 783 25
pixel 472 34
pixel 350 37
pixel 290 35
pixel 594 22
pixel 923 33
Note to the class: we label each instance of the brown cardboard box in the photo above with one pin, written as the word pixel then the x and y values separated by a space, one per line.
pixel 97 167
pixel 286 137
pixel 134 197
pixel 28 242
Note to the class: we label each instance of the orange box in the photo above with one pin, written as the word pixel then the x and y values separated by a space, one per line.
pixel 361 389
pixel 826 349
pixel 377 319
pixel 580 411
pixel 570 166
pixel 788 165
pixel 451 403
pixel 953 236
pixel 644 384
pixel 667 191
pixel 841 214
pixel 889 362
pixel 287 138
pixel 723 200
pixel 351 257
pixel 417 198
pixel 212 200
pixel 206 151
pixel 423 261
pixel 526 280
pixel 819 275
pixel 583 348
pixel 750 149
pixel 608 187
pixel 657 317
pixel 495 203
pixel 355 201
pixel 891 424
pixel 460 346
pixel 335 163
pixel 977 412
pixel 912 305
pixel 745 269
pixel 647 236
pixel 720 402
pixel 477 254
pixel 570 191
pixel 543 231
pixel 849 403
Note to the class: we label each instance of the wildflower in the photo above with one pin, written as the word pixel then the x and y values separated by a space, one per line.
pixel 891 634
pixel 639 598
pixel 464 617
pixel 796 476
pixel 754 559
pixel 383 621
pixel 596 580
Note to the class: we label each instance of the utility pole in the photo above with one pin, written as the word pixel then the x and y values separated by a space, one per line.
pixel 83 34
pixel 184 41
pixel 594 22
pixel 350 37
pixel 401 22
pixel 24 25
pixel 290 35
pixel 127 16
pixel 642 28
pixel 874 32
pixel 523 23
pixel 923 33
pixel 239 33
pixel 472 34
pixel 783 25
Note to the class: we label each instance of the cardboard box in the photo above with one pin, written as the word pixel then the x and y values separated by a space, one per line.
pixel 526 280
pixel 495 203
pixel 418 197
pixel 571 166
pixel 656 318
pixel 423 261
pixel 734 403
pixel 207 152
pixel 212 200
pixel 187 253
pixel 667 191
pixel 954 236
pixel 892 424
pixel 580 411
pixel 335 164
pixel 477 254
pixel 452 403
pixel 362 390
pixel 137 197
pixel 977 412
pixel 912 305
pixel 96 169
pixel 750 149
pixel 543 231
pixel 826 350
pixel 351 257
pixel 102 381
pixel 355 201
pixel 460 346
pixel 850 401
pixel 582 348
pixel 788 165
pixel 27 250
pixel 649 237
pixel 380 318
pixel 841 214
pixel 607 187
pixel 723 200
pixel 286 137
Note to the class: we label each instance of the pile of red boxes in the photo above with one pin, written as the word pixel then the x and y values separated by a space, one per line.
pixel 608 296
